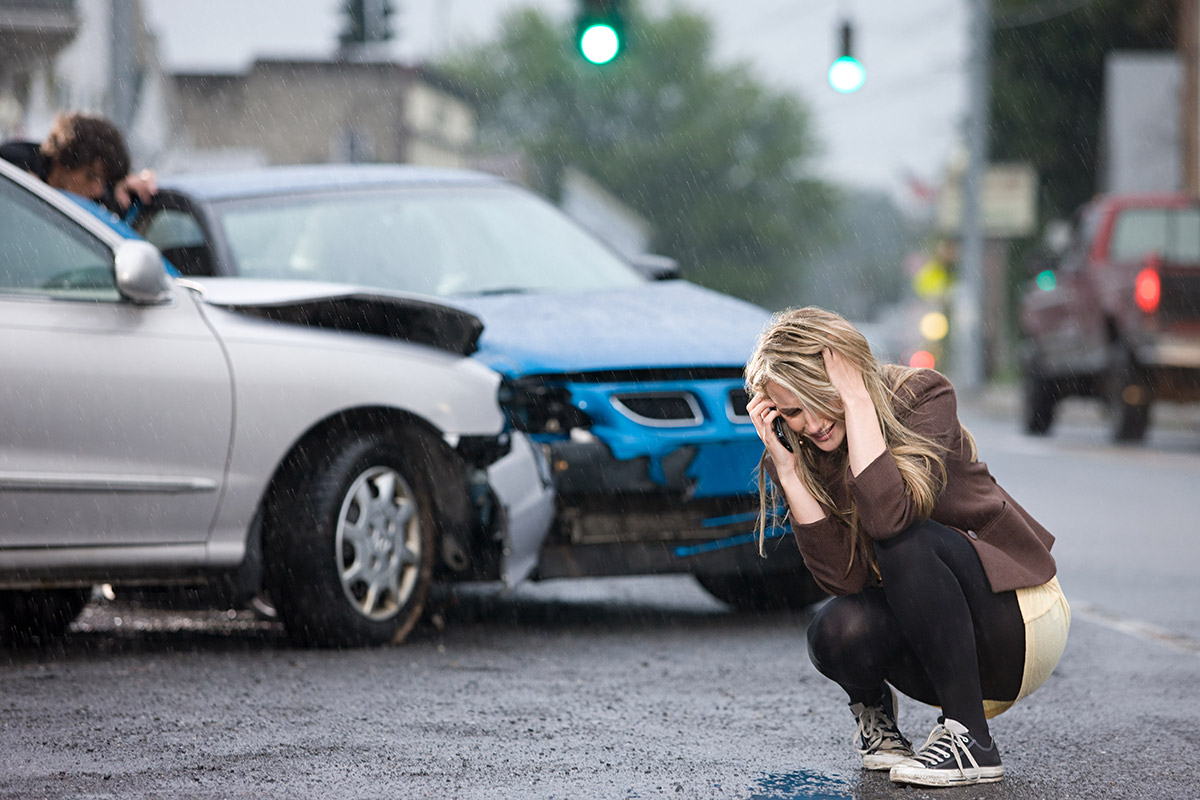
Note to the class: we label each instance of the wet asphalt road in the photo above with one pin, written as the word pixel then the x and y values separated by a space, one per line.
pixel 632 688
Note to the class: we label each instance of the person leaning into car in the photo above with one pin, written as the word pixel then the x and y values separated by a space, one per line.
pixel 86 155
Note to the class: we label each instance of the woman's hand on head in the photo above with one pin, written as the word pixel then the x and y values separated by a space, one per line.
pixel 846 378
pixel 864 436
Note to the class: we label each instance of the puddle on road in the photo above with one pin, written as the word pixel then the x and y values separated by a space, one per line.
pixel 800 785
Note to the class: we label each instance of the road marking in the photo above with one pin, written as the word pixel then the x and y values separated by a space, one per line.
pixel 1136 628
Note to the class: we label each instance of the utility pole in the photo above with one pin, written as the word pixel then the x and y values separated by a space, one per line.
pixel 967 327
pixel 1188 44
pixel 123 79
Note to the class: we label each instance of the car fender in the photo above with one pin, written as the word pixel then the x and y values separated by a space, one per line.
pixel 303 376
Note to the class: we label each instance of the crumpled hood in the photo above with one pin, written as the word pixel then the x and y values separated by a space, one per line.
pixel 344 307
pixel 662 324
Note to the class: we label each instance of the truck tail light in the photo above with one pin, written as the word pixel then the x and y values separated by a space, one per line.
pixel 1147 289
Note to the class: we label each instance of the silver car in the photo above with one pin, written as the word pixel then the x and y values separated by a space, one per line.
pixel 332 445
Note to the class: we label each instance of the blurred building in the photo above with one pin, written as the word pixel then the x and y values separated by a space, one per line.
pixel 290 111
pixel 100 56
pixel 1141 135
pixel 90 55
pixel 32 34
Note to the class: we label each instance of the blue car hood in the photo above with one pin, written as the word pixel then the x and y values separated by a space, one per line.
pixel 656 325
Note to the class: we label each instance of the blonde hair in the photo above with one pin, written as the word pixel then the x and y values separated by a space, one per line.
pixel 789 353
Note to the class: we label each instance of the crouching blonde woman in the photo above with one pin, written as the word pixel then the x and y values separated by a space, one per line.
pixel 944 587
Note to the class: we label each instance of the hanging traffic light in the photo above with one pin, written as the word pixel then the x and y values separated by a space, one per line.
pixel 367 21
pixel 847 75
pixel 600 30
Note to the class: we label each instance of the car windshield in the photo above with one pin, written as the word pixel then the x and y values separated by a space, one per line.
pixel 439 242
pixel 1173 233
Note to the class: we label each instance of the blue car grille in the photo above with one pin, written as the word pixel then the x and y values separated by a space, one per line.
pixel 735 407
pixel 660 409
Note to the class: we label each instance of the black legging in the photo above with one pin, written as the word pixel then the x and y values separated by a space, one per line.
pixel 936 630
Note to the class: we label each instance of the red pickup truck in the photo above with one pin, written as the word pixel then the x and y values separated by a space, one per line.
pixel 1117 315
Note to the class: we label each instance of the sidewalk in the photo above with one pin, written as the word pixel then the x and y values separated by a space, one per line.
pixel 1003 401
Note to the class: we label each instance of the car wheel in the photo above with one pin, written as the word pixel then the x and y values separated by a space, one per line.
pixel 1126 395
pixel 763 592
pixel 349 545
pixel 1038 399
pixel 37 617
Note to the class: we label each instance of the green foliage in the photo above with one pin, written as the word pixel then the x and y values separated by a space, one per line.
pixel 715 161
pixel 860 274
pixel 1048 86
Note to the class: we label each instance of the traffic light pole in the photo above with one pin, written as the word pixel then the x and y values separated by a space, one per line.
pixel 967 327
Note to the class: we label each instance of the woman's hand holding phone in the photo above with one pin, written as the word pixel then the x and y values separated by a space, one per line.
pixel 778 426
pixel 769 425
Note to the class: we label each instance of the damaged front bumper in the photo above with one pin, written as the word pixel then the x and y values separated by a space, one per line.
pixel 632 516
pixel 523 488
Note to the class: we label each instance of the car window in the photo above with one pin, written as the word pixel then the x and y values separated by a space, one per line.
pixel 1174 233
pixel 42 253
pixel 171 227
pixel 178 236
pixel 441 242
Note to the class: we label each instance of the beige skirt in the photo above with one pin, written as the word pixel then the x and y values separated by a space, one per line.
pixel 1047 620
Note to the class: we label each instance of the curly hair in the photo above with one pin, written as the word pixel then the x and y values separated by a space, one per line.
pixel 79 139
pixel 788 353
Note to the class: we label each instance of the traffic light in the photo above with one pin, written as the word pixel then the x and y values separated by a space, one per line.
pixel 600 30
pixel 847 75
pixel 366 21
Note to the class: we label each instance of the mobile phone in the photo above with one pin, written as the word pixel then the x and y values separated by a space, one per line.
pixel 779 434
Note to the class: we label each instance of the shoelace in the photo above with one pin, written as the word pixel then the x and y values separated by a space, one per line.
pixel 943 743
pixel 873 728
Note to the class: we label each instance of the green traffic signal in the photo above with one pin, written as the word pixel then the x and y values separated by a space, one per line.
pixel 847 75
pixel 599 43
pixel 600 30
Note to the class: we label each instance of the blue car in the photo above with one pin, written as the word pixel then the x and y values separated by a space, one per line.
pixel 628 377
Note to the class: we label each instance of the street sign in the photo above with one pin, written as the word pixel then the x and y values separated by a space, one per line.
pixel 1008 201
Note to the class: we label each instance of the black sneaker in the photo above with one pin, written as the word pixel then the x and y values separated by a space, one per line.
pixel 878 737
pixel 950 757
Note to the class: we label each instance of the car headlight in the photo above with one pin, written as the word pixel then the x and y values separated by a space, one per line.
pixel 534 406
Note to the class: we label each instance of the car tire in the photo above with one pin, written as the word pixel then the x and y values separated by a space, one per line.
pixel 31 618
pixel 349 543
pixel 1126 396
pixel 779 591
pixel 1038 399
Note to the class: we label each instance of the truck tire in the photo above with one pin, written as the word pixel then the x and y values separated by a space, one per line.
pixel 349 544
pixel 763 591
pixel 1126 396
pixel 1038 399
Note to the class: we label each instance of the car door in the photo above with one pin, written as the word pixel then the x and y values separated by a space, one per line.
pixel 115 417
pixel 171 225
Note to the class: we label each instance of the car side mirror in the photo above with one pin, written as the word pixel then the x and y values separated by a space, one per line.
pixel 141 276
pixel 656 267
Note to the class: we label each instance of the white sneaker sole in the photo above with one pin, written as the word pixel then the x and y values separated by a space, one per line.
pixel 882 761
pixel 922 776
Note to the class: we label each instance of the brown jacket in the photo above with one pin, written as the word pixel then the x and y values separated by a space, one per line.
pixel 1013 547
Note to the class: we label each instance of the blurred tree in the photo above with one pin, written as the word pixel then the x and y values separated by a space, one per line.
pixel 859 274
pixel 1048 84
pixel 718 163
